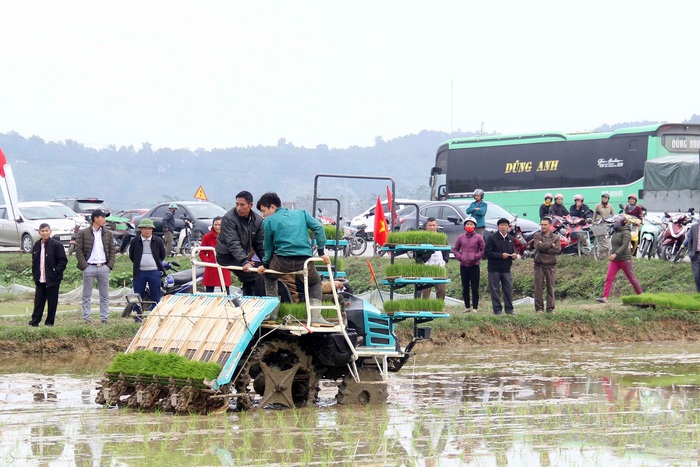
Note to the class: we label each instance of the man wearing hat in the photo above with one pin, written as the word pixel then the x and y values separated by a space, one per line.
pixel 500 252
pixel 147 252
pixel 169 228
pixel 95 252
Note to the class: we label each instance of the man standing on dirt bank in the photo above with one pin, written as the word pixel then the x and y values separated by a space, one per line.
pixel 169 228
pixel 500 252
pixel 692 244
pixel 547 247
pixel 48 263
pixel 240 238
pixel 95 252
pixel 147 253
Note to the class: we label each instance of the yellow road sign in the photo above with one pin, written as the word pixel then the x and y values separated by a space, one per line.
pixel 200 194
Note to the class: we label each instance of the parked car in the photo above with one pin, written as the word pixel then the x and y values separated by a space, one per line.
pixel 68 213
pixel 131 213
pixel 83 206
pixel 450 215
pixel 201 213
pixel 367 217
pixel 24 231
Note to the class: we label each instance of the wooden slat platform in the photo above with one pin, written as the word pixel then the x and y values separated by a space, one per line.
pixel 201 327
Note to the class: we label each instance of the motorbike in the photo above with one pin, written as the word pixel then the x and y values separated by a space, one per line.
pixel 183 243
pixel 649 235
pixel 673 235
pixel 356 238
pixel 177 282
pixel 524 244
pixel 574 234
pixel 73 239
pixel 634 223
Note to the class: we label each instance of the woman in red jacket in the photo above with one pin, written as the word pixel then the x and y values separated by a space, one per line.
pixel 211 275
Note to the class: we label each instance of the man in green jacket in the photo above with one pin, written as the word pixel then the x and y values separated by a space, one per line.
pixel 287 247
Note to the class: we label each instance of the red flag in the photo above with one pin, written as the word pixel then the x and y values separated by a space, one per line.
pixel 380 227
pixel 371 271
pixel 3 161
pixel 388 197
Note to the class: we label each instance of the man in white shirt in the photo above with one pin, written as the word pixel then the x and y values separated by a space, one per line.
pixel 96 253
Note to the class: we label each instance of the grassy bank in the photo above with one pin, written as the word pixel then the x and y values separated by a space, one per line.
pixel 578 319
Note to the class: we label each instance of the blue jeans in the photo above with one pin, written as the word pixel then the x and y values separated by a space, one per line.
pixel 101 273
pixel 152 278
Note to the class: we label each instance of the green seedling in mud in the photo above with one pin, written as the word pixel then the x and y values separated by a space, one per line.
pixel 415 270
pixel 148 363
pixel 416 304
pixel 417 237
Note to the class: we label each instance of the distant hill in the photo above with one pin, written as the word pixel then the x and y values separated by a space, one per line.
pixel 127 177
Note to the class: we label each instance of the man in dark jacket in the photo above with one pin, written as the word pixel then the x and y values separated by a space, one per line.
pixel 48 263
pixel 147 252
pixel 242 237
pixel 547 247
pixel 500 252
pixel 96 253
pixel 169 228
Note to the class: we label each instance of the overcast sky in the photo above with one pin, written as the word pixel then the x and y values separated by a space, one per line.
pixel 225 73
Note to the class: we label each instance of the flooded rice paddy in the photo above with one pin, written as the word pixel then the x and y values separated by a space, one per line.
pixel 564 405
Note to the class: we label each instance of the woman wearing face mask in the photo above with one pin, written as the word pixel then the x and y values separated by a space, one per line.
pixel 211 275
pixel 469 249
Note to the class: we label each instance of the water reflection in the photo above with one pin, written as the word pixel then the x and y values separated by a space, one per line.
pixel 616 405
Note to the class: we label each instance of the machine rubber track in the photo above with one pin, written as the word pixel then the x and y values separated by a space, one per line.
pixel 281 373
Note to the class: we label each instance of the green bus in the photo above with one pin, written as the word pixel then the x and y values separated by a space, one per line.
pixel 516 171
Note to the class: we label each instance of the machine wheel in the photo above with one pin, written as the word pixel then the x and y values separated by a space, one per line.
pixel 281 373
pixel 359 246
pixel 27 243
pixel 370 390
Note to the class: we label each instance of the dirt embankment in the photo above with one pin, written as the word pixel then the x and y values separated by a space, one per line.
pixel 554 333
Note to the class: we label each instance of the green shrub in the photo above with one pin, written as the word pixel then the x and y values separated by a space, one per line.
pixel 149 363
pixel 415 270
pixel 417 237
pixel 416 304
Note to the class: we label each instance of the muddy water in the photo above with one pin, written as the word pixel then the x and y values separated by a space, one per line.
pixel 606 405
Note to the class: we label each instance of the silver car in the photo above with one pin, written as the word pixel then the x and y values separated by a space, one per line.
pixel 24 231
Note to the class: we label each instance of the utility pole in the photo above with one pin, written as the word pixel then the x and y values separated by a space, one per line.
pixel 452 104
